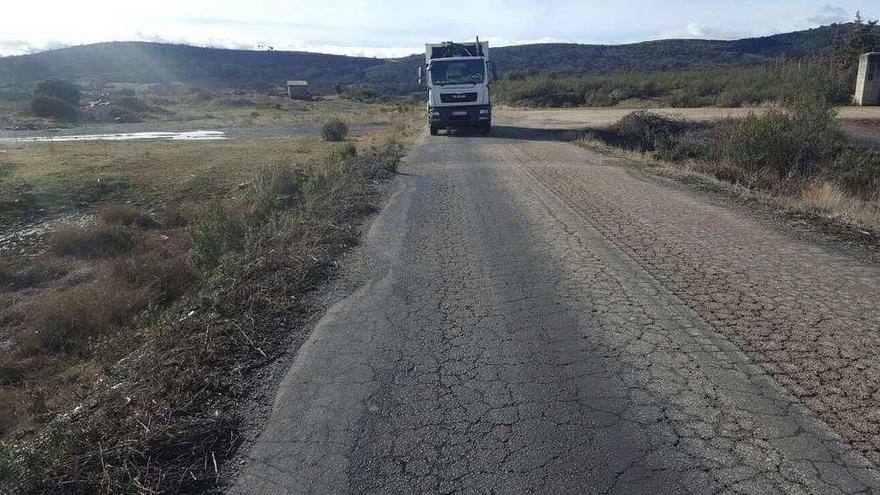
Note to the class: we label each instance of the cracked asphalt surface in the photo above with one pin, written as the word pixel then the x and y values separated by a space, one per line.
pixel 538 318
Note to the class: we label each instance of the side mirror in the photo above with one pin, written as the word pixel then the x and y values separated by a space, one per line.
pixel 421 76
pixel 494 70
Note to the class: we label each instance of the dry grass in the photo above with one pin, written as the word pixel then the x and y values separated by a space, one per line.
pixel 74 174
pixel 34 273
pixel 215 111
pixel 828 200
pixel 96 241
pixel 6 271
pixel 181 340
pixel 817 196
pixel 172 216
pixel 13 406
pixel 66 321
pixel 120 214
pixel 163 271
pixel 797 158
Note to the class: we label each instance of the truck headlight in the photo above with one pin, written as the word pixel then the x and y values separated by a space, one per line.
pixel 483 111
pixel 435 113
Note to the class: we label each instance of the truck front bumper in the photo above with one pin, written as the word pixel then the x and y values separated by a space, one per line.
pixel 460 116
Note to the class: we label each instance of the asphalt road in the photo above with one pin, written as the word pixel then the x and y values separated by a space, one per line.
pixel 538 318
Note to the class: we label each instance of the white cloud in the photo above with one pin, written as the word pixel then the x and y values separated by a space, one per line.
pixel 392 28
pixel 830 14
pixel 697 30
pixel 22 47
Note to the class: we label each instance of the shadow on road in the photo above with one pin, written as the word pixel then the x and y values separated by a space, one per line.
pixel 520 133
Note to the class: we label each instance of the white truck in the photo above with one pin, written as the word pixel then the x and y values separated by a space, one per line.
pixel 457 76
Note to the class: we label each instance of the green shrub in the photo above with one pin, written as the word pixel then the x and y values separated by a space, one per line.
pixel 726 87
pixel 647 131
pixel 216 229
pixel 758 142
pixel 344 153
pixel 816 130
pixel 699 143
pixel 335 130
pixel 272 188
pixel 52 107
pixel 362 93
pixel 857 171
pixel 58 88
pixel 786 143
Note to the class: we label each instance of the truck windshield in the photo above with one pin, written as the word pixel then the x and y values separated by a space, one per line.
pixel 458 72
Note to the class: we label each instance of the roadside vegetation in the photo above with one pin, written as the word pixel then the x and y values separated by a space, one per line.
pixel 129 336
pixel 796 154
pixel 736 87
pixel 335 130
pixel 831 73
pixel 61 103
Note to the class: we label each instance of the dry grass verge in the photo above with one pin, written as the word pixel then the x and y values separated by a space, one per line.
pixel 165 411
pixel 797 159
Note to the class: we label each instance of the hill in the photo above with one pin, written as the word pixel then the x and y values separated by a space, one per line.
pixel 140 62
pixel 210 67
pixel 645 57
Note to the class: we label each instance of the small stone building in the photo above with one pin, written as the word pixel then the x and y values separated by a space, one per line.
pixel 298 90
pixel 868 81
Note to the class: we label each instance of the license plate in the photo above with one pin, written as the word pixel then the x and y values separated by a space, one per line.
pixel 459 114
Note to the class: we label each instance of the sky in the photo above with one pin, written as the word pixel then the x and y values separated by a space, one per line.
pixel 394 28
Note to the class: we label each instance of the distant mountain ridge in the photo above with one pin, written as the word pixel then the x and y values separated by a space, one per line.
pixel 144 62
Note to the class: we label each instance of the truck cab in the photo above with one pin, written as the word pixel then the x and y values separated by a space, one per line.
pixel 457 76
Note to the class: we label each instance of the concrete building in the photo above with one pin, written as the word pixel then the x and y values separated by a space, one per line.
pixel 868 81
pixel 297 90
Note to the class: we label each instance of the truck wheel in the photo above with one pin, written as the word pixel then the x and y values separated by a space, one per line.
pixel 433 131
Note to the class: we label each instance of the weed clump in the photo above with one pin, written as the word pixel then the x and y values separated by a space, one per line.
pixel 65 321
pixel 857 171
pixel 647 131
pixel 6 271
pixel 335 130
pixel 36 271
pixel 96 241
pixel 273 188
pixel 216 228
pixel 165 274
pixel 127 216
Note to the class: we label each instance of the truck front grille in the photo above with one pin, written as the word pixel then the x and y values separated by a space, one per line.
pixel 458 97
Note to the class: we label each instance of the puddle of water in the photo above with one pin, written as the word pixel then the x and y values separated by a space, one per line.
pixel 172 136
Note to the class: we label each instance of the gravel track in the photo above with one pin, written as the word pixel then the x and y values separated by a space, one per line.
pixel 540 319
